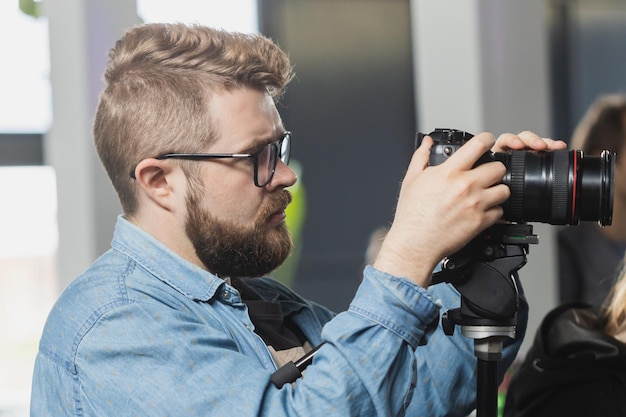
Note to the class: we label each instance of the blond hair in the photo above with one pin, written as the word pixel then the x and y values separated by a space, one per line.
pixel 614 309
pixel 158 83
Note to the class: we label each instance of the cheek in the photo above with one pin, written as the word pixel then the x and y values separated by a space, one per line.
pixel 239 204
pixel 230 193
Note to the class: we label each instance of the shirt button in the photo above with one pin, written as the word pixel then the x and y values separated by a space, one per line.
pixel 226 295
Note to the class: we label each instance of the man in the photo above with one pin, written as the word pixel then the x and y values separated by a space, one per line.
pixel 174 319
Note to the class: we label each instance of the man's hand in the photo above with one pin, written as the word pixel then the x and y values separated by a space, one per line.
pixel 443 207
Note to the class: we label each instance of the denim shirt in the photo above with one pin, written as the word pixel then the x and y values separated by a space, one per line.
pixel 145 333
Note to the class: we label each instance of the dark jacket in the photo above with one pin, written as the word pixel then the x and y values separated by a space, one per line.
pixel 588 261
pixel 572 369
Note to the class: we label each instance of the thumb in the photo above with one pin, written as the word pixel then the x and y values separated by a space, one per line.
pixel 422 153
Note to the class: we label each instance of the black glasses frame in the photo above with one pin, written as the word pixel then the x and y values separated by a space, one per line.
pixel 280 148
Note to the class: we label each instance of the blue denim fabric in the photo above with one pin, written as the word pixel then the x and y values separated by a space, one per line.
pixel 144 333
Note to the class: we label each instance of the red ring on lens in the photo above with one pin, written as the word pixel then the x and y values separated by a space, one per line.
pixel 574 185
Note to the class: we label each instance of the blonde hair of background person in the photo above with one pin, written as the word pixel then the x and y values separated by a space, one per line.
pixel 614 310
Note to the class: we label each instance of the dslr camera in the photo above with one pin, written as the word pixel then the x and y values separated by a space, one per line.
pixel 560 187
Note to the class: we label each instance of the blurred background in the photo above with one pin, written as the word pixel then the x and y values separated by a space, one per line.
pixel 370 73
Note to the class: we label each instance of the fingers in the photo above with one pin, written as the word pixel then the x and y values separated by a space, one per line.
pixel 422 153
pixel 467 155
pixel 533 141
pixel 492 198
pixel 462 161
pixel 486 175
pixel 526 140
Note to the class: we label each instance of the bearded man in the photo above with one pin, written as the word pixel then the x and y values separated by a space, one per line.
pixel 178 318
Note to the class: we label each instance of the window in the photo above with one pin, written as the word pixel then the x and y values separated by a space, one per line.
pixel 28 229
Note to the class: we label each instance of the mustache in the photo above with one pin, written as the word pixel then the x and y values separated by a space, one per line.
pixel 278 203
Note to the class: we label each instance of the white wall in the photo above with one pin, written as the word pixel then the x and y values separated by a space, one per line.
pixel 81 33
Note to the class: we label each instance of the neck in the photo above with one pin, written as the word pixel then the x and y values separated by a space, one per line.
pixel 166 229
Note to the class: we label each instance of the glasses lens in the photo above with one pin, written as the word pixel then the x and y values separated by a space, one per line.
pixel 285 148
pixel 266 163
pixel 267 158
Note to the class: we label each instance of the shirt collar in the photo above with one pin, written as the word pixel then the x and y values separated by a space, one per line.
pixel 161 262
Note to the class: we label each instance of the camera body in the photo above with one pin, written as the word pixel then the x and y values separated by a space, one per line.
pixel 559 187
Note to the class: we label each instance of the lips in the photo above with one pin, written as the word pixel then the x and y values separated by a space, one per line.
pixel 276 208
pixel 277 217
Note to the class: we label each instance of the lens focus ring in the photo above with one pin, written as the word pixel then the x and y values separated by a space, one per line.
pixel 516 185
pixel 560 186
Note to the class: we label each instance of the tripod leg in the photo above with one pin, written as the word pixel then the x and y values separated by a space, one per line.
pixel 487 389
pixel 489 352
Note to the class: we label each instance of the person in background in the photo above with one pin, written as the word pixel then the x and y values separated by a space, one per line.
pixel 374 242
pixel 588 255
pixel 577 363
pixel 179 317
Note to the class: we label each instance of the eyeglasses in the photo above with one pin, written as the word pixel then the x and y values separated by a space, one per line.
pixel 265 160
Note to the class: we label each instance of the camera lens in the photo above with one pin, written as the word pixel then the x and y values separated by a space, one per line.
pixel 558 187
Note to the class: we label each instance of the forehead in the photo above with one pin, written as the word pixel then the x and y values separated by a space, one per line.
pixel 244 118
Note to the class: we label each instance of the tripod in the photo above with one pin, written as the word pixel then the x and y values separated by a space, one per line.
pixel 482 272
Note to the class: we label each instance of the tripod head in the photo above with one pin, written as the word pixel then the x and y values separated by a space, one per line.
pixel 482 272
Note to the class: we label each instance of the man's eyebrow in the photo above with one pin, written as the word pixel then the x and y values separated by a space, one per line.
pixel 259 144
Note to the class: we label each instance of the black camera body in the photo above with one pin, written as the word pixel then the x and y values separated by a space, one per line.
pixel 559 187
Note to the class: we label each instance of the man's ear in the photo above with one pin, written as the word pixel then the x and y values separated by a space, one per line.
pixel 156 178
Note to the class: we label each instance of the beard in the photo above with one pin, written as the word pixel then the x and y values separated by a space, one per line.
pixel 231 250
